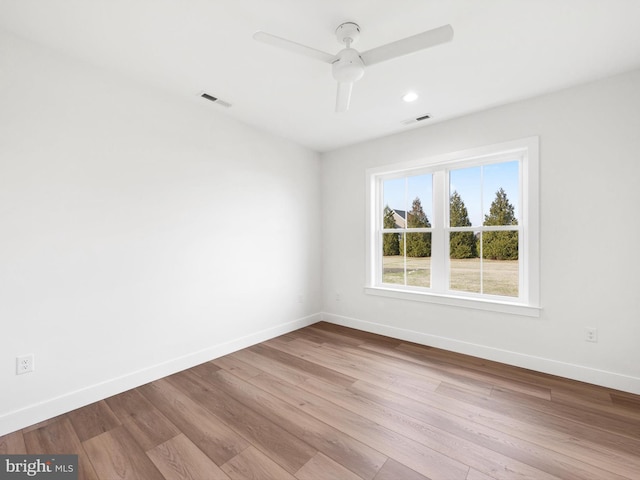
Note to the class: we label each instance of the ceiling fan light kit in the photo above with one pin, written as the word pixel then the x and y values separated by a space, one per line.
pixel 348 65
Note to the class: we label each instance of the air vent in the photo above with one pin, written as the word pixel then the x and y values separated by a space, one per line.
pixel 216 100
pixel 426 116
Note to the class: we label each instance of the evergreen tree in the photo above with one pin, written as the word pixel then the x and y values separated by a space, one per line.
pixel 419 243
pixel 390 241
pixel 461 244
pixel 501 211
pixel 500 245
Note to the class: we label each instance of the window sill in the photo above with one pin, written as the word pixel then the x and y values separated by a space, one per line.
pixel 478 304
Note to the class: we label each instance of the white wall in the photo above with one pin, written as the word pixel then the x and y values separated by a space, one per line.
pixel 140 233
pixel 590 229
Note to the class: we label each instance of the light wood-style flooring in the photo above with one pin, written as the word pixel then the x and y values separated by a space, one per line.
pixel 327 402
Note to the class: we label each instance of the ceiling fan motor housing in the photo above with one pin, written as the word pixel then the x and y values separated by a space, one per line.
pixel 348 67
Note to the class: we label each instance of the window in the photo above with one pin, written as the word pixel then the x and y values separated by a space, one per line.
pixel 459 229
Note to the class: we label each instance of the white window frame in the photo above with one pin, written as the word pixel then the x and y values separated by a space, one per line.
pixel 528 302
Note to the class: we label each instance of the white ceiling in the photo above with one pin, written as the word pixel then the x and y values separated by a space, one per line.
pixel 503 50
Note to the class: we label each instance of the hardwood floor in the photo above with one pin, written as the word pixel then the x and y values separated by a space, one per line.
pixel 327 402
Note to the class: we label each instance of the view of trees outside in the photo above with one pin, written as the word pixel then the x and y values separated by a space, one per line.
pixel 500 245
pixel 408 203
pixel 406 255
pixel 461 244
pixel 409 252
pixel 418 244
pixel 390 241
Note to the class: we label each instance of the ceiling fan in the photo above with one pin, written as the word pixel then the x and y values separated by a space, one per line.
pixel 348 64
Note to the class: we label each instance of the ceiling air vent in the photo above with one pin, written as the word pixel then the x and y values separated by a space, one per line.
pixel 426 116
pixel 215 99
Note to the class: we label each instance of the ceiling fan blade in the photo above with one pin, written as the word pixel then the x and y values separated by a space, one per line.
pixel 408 45
pixel 343 98
pixel 294 47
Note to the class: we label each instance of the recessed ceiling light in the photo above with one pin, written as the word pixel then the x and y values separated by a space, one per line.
pixel 410 97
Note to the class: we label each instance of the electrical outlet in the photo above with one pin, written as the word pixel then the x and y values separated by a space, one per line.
pixel 591 334
pixel 24 364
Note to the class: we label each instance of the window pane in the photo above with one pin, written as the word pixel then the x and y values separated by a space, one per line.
pixel 464 262
pixel 500 271
pixel 392 261
pixel 420 200
pixel 501 193
pixel 418 260
pixel 463 245
pixel 500 245
pixel 394 197
pixel 464 195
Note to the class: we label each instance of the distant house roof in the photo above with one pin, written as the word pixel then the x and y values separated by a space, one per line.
pixel 399 217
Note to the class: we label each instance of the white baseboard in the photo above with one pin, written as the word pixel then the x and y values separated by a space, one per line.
pixel 567 370
pixel 52 407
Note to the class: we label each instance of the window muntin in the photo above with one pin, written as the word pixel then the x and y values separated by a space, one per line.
pixel 457 266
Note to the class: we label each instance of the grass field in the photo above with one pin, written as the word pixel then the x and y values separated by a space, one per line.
pixel 500 277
